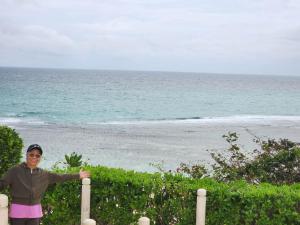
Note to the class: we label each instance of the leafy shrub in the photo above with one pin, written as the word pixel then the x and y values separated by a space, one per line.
pixel 10 148
pixel 72 160
pixel 121 197
pixel 276 162
pixel 196 171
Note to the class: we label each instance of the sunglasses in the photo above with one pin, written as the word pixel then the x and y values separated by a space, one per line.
pixel 32 155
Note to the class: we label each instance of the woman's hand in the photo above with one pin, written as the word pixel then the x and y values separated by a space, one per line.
pixel 84 174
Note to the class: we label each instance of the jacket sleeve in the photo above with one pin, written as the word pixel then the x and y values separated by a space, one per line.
pixel 59 178
pixel 6 179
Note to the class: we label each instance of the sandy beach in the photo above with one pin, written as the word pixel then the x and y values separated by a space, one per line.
pixel 135 145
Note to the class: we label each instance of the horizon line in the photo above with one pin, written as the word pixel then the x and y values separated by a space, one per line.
pixel 137 70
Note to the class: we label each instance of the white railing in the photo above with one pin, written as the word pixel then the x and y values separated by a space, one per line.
pixel 201 205
pixel 89 222
pixel 85 207
pixel 86 202
pixel 3 209
pixel 144 221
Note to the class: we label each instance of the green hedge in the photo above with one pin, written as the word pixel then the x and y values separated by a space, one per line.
pixel 121 197
pixel 10 148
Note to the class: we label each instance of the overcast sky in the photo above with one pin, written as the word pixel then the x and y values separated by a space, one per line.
pixel 222 36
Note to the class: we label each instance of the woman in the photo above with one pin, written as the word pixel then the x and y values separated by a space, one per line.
pixel 27 184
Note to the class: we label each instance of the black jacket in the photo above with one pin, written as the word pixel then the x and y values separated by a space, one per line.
pixel 27 186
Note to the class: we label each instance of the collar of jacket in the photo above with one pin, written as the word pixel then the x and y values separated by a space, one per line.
pixel 24 165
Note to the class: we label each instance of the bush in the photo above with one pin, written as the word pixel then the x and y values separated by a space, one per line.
pixel 72 160
pixel 121 197
pixel 276 162
pixel 10 148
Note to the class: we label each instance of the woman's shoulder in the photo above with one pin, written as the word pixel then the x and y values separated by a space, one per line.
pixel 13 169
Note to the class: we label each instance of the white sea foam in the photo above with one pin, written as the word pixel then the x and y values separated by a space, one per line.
pixel 238 119
pixel 13 121
pixel 229 120
pixel 250 119
pixel 10 120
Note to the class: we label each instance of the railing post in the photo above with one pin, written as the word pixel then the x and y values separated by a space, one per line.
pixel 3 209
pixel 85 199
pixel 144 221
pixel 89 222
pixel 201 205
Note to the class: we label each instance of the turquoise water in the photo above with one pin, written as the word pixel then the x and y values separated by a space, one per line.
pixel 56 96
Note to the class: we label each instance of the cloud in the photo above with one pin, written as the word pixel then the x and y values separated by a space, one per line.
pixel 35 39
pixel 153 32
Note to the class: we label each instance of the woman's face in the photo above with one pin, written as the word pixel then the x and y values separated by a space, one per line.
pixel 33 158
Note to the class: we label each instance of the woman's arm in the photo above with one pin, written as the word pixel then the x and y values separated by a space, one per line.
pixel 58 178
pixel 6 179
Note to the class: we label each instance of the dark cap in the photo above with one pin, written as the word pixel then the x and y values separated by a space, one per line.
pixel 33 147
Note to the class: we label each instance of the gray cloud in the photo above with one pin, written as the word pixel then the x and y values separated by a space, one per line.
pixel 153 33
pixel 36 39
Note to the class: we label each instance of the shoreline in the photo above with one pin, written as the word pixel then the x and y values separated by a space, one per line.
pixel 134 146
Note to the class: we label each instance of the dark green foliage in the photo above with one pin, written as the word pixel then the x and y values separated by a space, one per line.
pixel 230 165
pixel 61 204
pixel 196 171
pixel 10 148
pixel 121 197
pixel 276 162
pixel 73 160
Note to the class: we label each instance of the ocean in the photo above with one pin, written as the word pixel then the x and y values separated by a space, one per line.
pixel 142 107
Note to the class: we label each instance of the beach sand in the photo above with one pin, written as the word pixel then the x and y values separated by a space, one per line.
pixel 136 145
